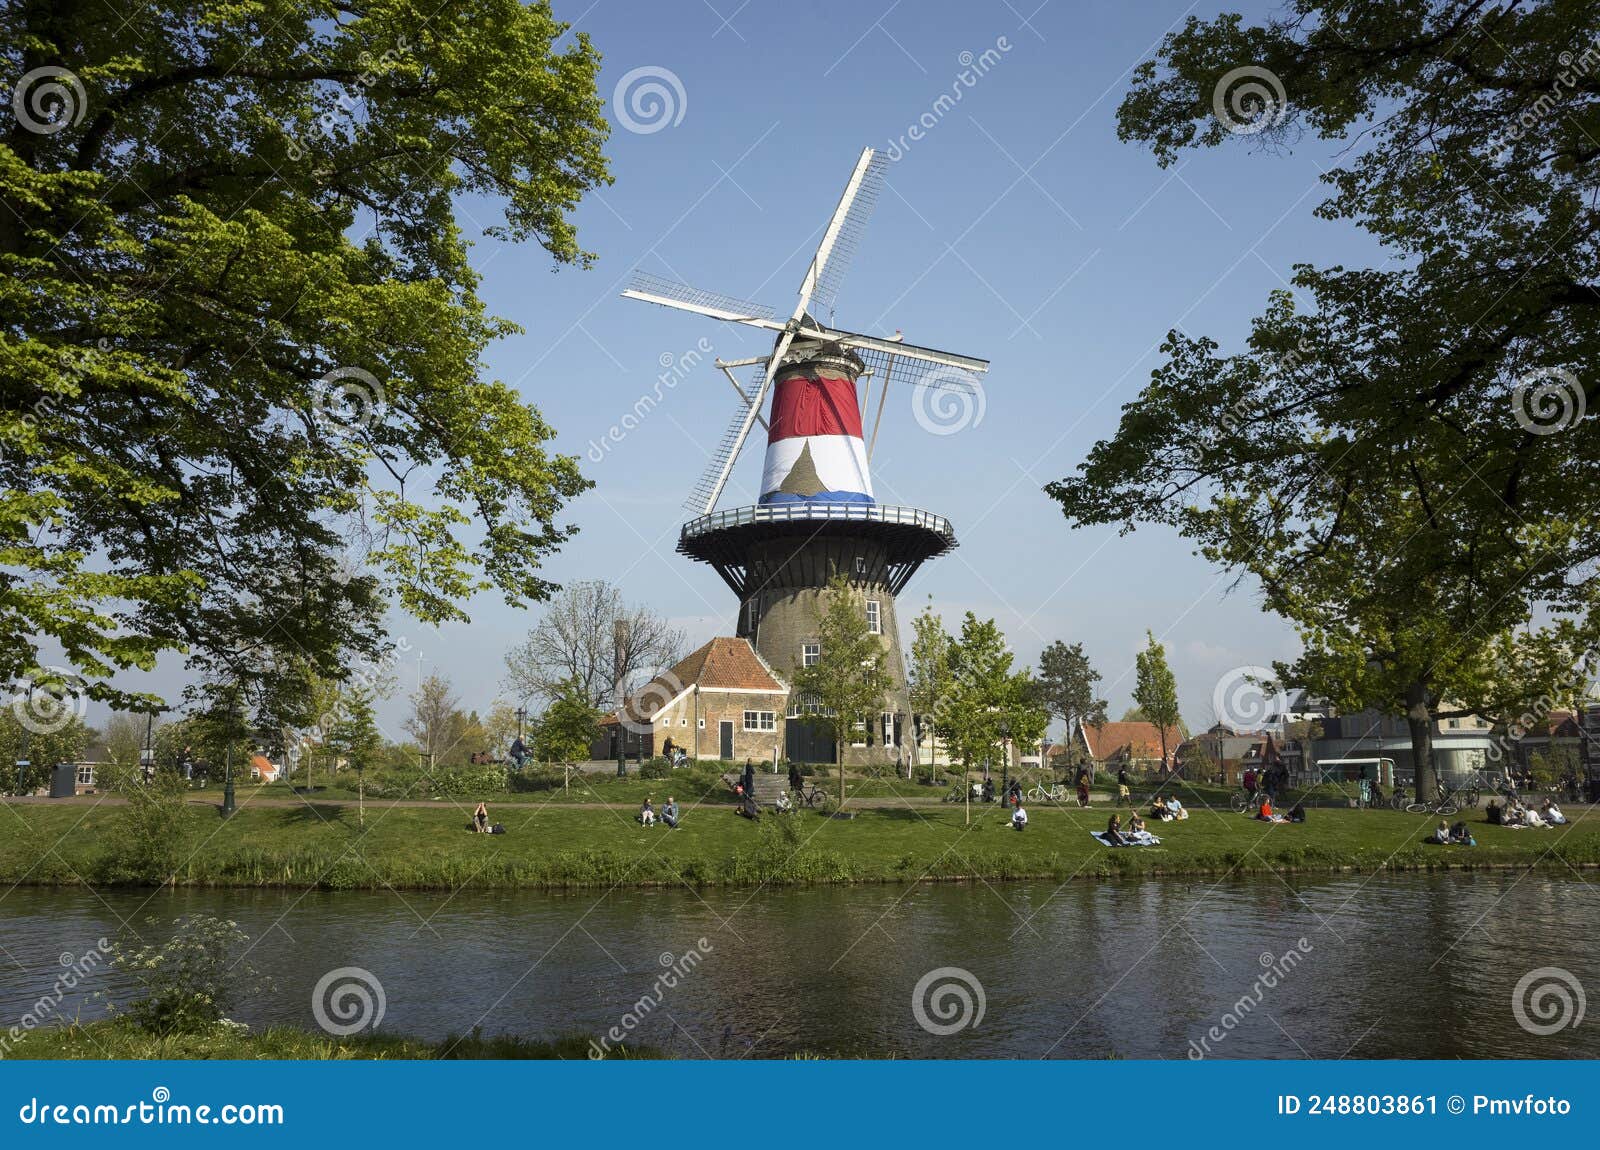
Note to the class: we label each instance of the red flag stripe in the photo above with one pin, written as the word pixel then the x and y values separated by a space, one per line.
pixel 814 405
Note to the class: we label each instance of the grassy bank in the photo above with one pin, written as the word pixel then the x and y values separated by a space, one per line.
pixel 118 1040
pixel 322 845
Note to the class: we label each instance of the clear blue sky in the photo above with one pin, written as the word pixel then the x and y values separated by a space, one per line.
pixel 1019 228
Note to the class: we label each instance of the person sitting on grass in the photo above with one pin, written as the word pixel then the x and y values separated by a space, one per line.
pixel 1297 813
pixel 480 819
pixel 1265 813
pixel 669 813
pixel 1441 833
pixel 1495 814
pixel 1175 808
pixel 1019 818
pixel 1462 837
pixel 1552 813
pixel 1135 825
pixel 1114 832
pixel 1160 810
pixel 647 813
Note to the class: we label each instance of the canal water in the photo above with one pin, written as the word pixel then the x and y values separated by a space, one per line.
pixel 1474 966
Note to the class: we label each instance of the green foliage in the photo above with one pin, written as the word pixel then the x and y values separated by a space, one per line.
pixel 566 730
pixel 987 701
pixel 190 983
pixel 655 769
pixel 1395 464
pixel 61 738
pixel 1155 689
pixel 847 683
pixel 149 833
pixel 239 315
pixel 1067 686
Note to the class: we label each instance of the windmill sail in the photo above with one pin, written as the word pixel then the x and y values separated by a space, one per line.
pixel 720 463
pixel 849 236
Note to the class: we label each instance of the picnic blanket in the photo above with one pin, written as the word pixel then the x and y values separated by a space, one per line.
pixel 1138 839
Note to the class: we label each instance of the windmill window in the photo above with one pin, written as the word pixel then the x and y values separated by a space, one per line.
pixel 861 564
pixel 873 624
pixel 810 653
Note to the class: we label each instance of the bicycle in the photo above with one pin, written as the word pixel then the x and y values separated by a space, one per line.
pixel 959 794
pixel 1247 800
pixel 1054 794
pixel 812 796
pixel 1444 804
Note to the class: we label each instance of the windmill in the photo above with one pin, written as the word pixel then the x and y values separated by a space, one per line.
pixel 816 516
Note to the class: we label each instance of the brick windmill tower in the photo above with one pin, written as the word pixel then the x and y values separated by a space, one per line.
pixel 816 517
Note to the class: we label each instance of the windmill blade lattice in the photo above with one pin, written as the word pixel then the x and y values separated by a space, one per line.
pixel 655 289
pixel 855 222
pixel 699 499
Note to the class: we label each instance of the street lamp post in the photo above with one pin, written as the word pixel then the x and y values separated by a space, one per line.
pixel 227 782
pixel 1005 761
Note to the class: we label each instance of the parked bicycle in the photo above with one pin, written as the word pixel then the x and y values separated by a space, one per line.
pixel 809 796
pixel 1247 800
pixel 1053 794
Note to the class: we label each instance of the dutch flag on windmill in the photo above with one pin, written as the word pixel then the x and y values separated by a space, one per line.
pixel 815 452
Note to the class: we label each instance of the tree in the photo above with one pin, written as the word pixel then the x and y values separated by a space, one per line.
pixel 591 635
pixel 987 702
pixel 565 732
pixel 930 670
pixel 1155 689
pixel 1067 687
pixel 848 681
pixel 243 401
pixel 43 736
pixel 436 721
pixel 1395 464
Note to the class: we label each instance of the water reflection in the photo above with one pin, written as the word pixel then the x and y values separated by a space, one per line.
pixel 1388 967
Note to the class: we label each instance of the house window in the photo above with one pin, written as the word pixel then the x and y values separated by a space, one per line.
pixel 888 729
pixel 702 724
pixel 760 721
pixel 86 774
pixel 859 738
pixel 810 653
pixel 861 564
pixel 872 617
pixel 804 705
pixel 683 722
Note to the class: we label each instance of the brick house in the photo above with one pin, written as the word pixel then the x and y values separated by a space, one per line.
pixel 722 701
pixel 1135 746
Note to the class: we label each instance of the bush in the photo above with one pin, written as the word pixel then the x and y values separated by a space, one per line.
pixel 655 769
pixel 469 782
pixel 189 983
pixel 148 839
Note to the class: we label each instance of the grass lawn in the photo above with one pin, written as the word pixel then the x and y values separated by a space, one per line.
pixel 555 845
pixel 119 1040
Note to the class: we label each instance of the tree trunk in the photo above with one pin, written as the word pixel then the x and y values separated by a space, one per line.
pixel 838 762
pixel 1420 721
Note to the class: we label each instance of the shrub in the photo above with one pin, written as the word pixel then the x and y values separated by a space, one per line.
pixel 655 769
pixel 469 782
pixel 189 983
pixel 148 839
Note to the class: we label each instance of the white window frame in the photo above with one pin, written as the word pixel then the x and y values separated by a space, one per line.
pixel 84 776
pixel 810 654
pixel 858 725
pixel 861 564
pixel 888 729
pixel 763 721
pixel 874 617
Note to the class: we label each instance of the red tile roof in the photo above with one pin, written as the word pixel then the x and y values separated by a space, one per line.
pixel 722 664
pixel 1142 739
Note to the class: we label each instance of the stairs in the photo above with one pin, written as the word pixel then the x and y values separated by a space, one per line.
pixel 767 786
